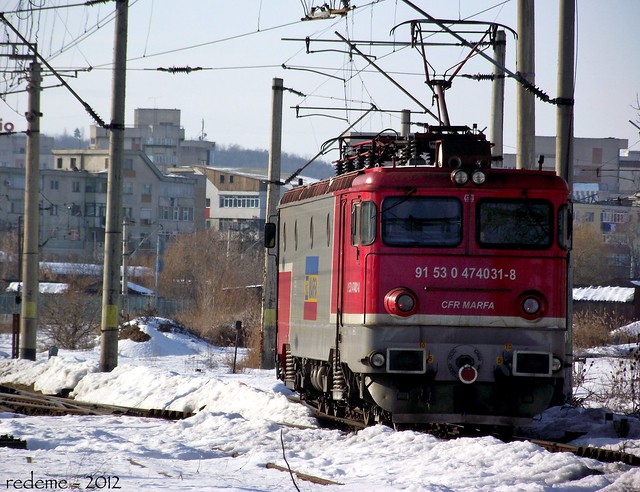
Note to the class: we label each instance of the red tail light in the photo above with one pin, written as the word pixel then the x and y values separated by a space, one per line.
pixel 468 374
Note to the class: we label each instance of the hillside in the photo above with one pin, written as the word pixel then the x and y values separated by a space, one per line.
pixel 236 156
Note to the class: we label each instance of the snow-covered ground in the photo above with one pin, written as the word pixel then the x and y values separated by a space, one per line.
pixel 238 428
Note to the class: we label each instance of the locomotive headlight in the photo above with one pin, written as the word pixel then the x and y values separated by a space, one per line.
pixel 531 305
pixel 478 177
pixel 405 303
pixel 556 364
pixel 401 302
pixel 377 360
pixel 459 177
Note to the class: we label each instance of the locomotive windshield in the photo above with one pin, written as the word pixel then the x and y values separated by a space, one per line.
pixel 518 224
pixel 422 221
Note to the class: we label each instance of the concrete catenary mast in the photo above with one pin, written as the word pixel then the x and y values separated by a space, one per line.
pixel 497 96
pixel 525 99
pixel 113 228
pixel 269 291
pixel 30 256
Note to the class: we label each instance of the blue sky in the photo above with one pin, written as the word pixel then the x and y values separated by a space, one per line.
pixel 239 44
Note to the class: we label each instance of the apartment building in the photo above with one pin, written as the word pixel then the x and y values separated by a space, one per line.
pixel 595 160
pixel 157 133
pixel 13 151
pixel 73 202
pixel 235 200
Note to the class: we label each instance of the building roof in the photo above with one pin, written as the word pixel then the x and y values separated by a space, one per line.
pixel 603 294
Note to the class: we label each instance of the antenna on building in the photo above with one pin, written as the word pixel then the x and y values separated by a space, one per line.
pixel 203 135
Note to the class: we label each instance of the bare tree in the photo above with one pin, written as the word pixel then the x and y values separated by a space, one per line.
pixel 9 257
pixel 219 273
pixel 69 320
pixel 637 108
pixel 590 256
pixel 629 234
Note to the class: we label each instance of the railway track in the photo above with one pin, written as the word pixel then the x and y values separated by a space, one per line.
pixel 599 454
pixel 20 400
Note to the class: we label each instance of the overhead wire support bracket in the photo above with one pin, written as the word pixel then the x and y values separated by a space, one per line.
pixel 401 44
pixel 373 64
pixel 302 69
pixel 33 48
pixel 324 149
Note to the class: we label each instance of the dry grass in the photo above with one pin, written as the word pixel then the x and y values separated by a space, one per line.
pixel 5 326
pixel 254 344
pixel 594 329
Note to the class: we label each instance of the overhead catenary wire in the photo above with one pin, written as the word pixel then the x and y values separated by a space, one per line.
pixel 37 55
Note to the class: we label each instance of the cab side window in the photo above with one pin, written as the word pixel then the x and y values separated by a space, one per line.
pixel 363 223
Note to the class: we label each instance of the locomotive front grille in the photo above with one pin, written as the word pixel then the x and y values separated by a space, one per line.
pixel 406 360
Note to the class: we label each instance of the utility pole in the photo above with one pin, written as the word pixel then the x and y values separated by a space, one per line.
pixel 497 96
pixel 112 245
pixel 525 101
pixel 30 257
pixel 269 290
pixel 124 284
pixel 564 150
pixel 564 113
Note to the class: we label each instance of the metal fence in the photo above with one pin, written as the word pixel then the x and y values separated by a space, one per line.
pixel 137 305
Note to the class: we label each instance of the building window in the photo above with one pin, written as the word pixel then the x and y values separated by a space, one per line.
pixel 146 189
pixel 53 210
pixel 127 188
pixel 54 184
pixel 145 216
pixel 106 163
pixel 127 165
pixel 75 186
pixel 613 216
pixel 59 163
pixel 239 201
pixel 187 214
pixel 92 186
pixel 230 179
pixel 222 178
pixel 207 202
pixel 92 209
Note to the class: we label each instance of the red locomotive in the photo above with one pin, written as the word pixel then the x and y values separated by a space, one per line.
pixel 422 286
